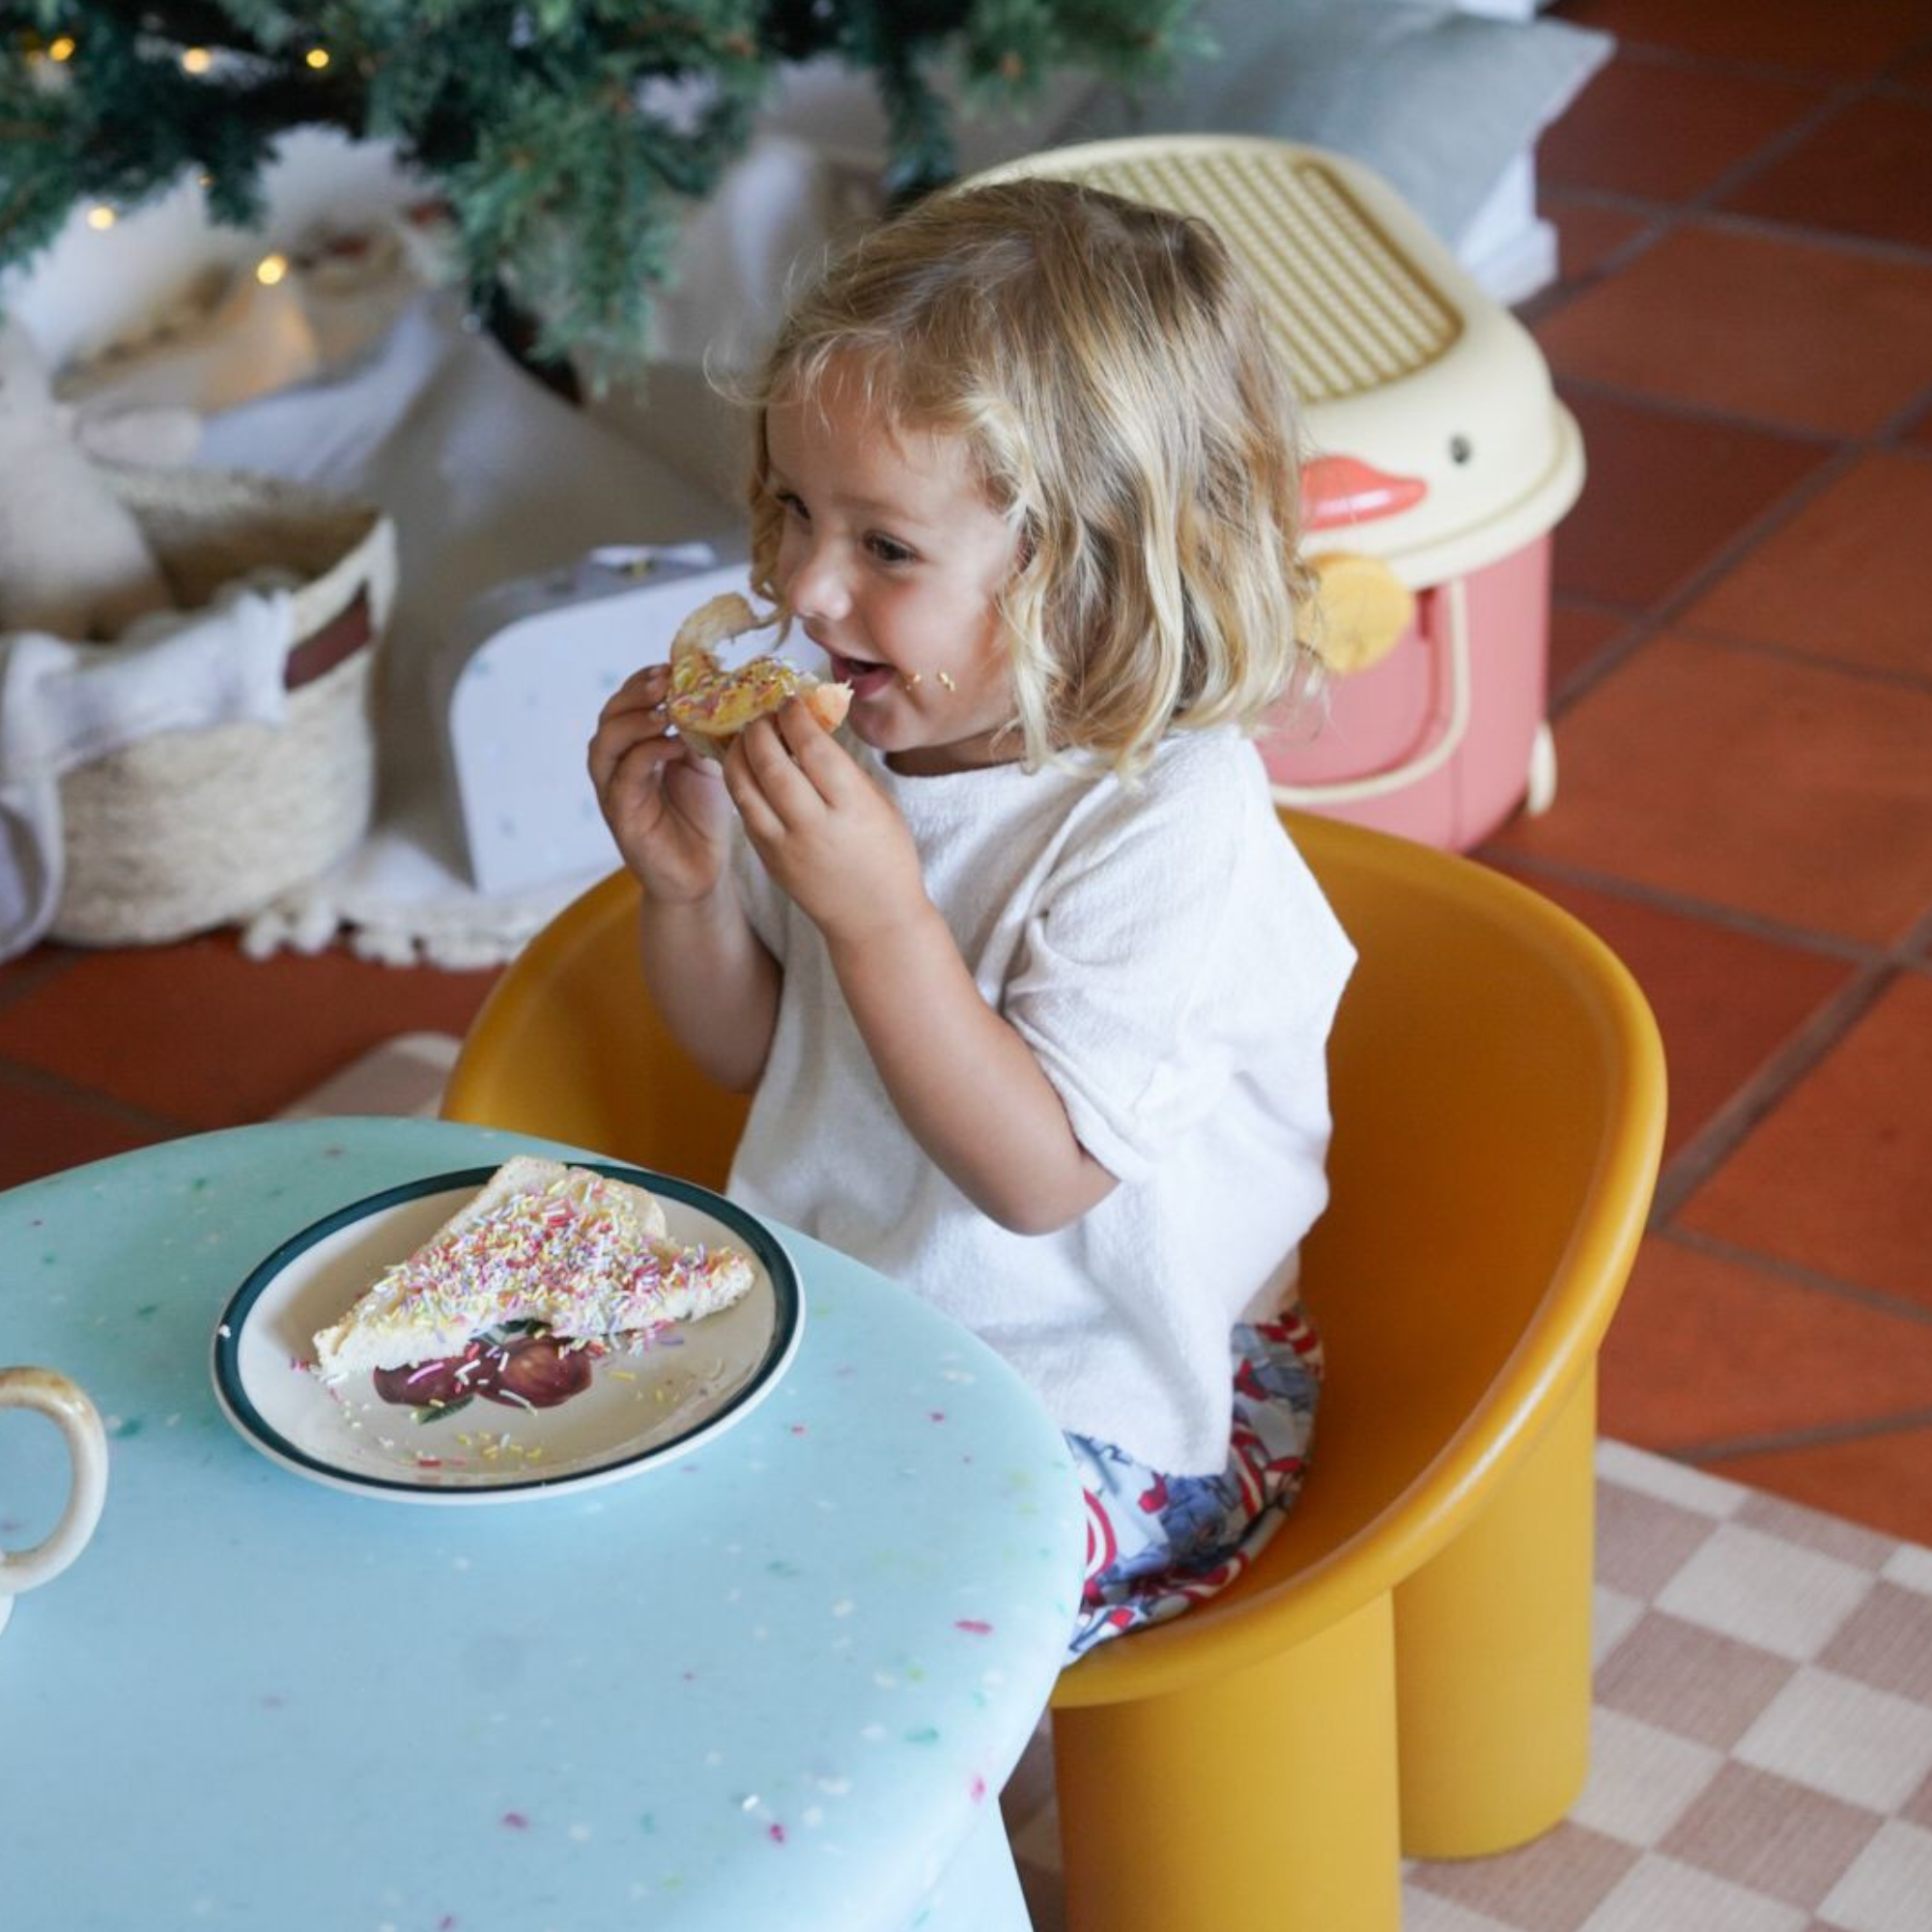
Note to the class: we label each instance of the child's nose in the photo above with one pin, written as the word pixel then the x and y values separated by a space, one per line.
pixel 817 587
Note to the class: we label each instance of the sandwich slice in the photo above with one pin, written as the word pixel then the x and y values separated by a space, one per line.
pixel 711 705
pixel 582 1255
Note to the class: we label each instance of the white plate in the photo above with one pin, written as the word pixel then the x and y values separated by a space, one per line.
pixel 638 1409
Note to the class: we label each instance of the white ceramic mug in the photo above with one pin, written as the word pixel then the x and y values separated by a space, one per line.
pixel 67 1406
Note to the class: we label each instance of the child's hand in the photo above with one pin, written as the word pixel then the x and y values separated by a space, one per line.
pixel 825 831
pixel 663 803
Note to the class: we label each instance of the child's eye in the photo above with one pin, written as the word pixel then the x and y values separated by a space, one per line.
pixel 889 550
pixel 793 506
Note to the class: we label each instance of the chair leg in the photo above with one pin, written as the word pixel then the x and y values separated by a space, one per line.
pixel 1263 1800
pixel 1493 1657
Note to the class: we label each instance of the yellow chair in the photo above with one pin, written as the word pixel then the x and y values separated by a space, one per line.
pixel 1406 1669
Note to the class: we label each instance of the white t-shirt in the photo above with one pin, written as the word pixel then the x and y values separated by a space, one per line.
pixel 1171 961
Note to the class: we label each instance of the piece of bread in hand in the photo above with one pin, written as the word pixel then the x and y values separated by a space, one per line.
pixel 711 705
pixel 586 1256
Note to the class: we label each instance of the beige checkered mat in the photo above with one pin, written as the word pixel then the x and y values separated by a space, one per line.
pixel 1762 1756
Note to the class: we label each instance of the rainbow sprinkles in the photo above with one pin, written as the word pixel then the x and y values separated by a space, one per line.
pixel 543 1248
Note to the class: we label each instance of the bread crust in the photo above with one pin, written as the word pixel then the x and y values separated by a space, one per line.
pixel 710 706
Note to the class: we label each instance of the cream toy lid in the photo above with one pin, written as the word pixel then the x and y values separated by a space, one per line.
pixel 1436 442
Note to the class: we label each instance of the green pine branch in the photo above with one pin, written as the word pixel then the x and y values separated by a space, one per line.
pixel 570 137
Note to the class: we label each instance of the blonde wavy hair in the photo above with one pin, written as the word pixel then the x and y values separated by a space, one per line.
pixel 1107 367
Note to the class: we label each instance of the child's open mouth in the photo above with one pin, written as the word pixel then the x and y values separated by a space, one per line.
pixel 867 678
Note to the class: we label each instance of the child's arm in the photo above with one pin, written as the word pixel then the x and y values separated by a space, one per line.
pixel 710 974
pixel 715 985
pixel 966 1085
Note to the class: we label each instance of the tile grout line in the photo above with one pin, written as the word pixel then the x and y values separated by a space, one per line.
pixel 1766 1090
pixel 1888 675
pixel 1819 1436
pixel 1666 612
pixel 1709 415
pixel 1879 249
pixel 97 1099
pixel 1661 219
pixel 1836 947
pixel 1892 437
pixel 1835 100
pixel 1914 951
pixel 1840 456
pixel 1661 53
pixel 1795 1274
pixel 1591 605
pixel 1874 970
pixel 34 973
pixel 1552 300
pixel 1602 665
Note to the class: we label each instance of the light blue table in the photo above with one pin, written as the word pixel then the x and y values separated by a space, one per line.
pixel 775 1684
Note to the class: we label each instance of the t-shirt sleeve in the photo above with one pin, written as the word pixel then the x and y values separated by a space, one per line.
pixel 1124 987
pixel 1181 952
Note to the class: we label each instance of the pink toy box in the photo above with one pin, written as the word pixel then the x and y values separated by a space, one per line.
pixel 1439 460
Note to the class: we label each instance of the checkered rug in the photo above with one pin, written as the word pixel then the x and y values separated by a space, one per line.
pixel 1762 1751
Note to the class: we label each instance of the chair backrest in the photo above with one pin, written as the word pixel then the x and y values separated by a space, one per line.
pixel 1497 1088
pixel 1499 1091
pixel 569 1046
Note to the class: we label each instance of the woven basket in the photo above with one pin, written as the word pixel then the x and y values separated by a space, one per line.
pixel 189 830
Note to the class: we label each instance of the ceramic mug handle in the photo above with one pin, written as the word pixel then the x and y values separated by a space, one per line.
pixel 67 1406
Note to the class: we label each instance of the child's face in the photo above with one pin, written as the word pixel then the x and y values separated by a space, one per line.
pixel 892 557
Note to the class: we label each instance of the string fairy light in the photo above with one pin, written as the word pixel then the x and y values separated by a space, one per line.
pixel 271 270
pixel 100 216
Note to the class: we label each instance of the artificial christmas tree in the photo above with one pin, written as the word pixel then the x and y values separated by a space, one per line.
pixel 568 137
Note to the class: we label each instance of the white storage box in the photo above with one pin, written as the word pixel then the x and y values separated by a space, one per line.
pixel 519 683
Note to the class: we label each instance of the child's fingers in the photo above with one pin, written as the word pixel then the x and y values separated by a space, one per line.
pixel 786 775
pixel 648 684
pixel 797 764
pixel 641 694
pixel 812 749
pixel 758 772
pixel 629 768
pixel 765 759
pixel 763 822
pixel 617 740
pixel 630 791
pixel 632 716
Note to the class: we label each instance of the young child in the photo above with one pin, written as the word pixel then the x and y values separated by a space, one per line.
pixel 1030 987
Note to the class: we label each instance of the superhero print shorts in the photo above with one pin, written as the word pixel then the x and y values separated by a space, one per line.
pixel 1157 1545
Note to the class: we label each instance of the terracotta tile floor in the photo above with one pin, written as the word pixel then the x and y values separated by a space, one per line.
pixel 1741 690
pixel 1742 677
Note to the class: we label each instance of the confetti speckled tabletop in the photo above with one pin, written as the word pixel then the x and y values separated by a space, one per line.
pixel 777 1682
